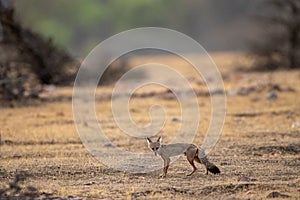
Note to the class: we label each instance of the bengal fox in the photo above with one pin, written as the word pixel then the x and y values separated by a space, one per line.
pixel 192 153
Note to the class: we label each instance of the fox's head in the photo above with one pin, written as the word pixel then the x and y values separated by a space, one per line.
pixel 154 146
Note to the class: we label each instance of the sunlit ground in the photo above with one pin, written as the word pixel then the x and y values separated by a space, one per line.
pixel 258 151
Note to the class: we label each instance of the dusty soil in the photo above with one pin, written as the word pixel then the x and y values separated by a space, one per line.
pixel 258 152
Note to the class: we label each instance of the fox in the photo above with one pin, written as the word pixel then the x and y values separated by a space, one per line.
pixel 191 151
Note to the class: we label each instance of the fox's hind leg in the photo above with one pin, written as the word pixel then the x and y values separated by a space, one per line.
pixel 190 155
pixel 199 161
pixel 194 167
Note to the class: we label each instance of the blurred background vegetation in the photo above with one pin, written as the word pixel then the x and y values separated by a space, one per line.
pixel 80 25
pixel 43 42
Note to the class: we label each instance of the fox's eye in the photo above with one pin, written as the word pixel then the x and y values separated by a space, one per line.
pixel 152 149
pixel 156 148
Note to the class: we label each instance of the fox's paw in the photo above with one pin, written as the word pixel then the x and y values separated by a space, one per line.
pixel 191 173
pixel 162 176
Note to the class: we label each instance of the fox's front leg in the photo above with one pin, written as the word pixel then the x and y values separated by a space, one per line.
pixel 166 166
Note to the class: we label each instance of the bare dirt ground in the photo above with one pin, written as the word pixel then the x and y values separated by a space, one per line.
pixel 258 152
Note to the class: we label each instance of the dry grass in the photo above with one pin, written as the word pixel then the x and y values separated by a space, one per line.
pixel 258 142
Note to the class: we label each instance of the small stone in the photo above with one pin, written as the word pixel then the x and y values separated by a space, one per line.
pixel 244 179
pixel 276 194
pixel 108 144
pixel 31 189
pixel 296 124
pixel 276 153
pixel 90 183
pixel 176 119
pixel 272 95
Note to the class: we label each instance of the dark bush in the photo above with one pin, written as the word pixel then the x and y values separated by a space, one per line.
pixel 279 48
pixel 28 60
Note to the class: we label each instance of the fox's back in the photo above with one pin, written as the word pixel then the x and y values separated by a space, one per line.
pixel 175 149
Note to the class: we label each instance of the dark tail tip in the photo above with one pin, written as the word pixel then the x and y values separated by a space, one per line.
pixel 214 169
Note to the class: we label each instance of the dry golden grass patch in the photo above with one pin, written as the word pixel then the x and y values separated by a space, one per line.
pixel 258 151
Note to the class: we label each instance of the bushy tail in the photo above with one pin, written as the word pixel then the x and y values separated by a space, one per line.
pixel 212 168
pixel 209 166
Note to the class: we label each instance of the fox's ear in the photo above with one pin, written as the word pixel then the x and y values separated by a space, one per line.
pixel 149 141
pixel 159 139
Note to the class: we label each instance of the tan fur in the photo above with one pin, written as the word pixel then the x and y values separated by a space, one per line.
pixel 192 153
